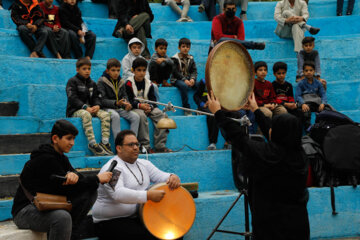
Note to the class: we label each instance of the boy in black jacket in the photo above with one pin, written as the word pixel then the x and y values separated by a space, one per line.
pixel 84 102
pixel 29 18
pixel 38 176
pixel 114 99
pixel 71 20
pixel 141 87
pixel 184 72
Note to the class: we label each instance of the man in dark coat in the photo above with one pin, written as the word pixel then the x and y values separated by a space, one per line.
pixel 134 18
pixel 277 172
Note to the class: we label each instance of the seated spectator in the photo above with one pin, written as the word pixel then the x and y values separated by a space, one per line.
pixel 283 89
pixel 113 97
pixel 308 54
pixel 160 66
pixel 209 7
pixel 310 94
pixel 70 18
pixel 243 4
pixel 134 20
pixel 185 72
pixel 53 26
pixel 115 210
pixel 182 12
pixel 291 16
pixel 140 86
pixel 340 4
pixel 29 19
pixel 83 102
pixel 227 26
pixel 264 92
pixel 135 48
pixel 37 176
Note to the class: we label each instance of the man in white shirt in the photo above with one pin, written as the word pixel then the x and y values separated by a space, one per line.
pixel 291 16
pixel 115 210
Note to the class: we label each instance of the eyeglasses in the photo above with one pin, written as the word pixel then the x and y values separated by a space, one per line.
pixel 132 144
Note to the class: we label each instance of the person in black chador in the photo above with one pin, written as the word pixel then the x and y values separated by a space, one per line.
pixel 38 176
pixel 277 172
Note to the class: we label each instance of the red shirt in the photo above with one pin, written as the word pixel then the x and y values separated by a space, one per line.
pixel 223 27
pixel 51 15
pixel 264 93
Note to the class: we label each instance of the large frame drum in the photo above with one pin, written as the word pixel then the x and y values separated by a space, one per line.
pixel 173 216
pixel 229 73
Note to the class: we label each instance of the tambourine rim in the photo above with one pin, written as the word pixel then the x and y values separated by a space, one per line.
pixel 207 70
pixel 141 208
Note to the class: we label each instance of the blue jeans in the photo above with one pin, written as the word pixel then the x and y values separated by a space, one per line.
pixel 183 88
pixel 131 116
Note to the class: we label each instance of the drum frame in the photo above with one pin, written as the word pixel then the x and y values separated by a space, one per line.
pixel 208 63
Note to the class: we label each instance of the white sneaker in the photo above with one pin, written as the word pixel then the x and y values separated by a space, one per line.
pixel 212 146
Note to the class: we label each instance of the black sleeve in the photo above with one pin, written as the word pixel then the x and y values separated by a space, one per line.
pixel 16 16
pixel 71 92
pixel 65 20
pixel 106 102
pixel 123 94
pixel 95 97
pixel 263 122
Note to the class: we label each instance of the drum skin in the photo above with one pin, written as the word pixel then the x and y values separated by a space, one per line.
pixel 229 73
pixel 173 216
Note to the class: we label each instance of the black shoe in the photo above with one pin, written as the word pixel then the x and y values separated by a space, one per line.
pixel 97 150
pixel 348 13
pixel 314 31
pixel 107 148
pixel 339 14
pixel 259 45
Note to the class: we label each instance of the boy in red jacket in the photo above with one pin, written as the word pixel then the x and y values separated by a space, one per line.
pixel 53 26
pixel 264 92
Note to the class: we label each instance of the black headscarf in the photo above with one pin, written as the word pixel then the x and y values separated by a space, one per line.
pixel 286 131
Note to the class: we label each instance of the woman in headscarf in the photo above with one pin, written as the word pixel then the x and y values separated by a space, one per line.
pixel 277 171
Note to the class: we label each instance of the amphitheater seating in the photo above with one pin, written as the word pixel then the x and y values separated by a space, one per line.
pixel 38 85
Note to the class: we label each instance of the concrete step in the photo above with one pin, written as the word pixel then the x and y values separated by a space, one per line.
pixel 276 48
pixel 9 108
pixel 57 72
pixel 19 125
pixel 263 29
pixel 211 206
pixel 195 166
pixel 22 143
pixel 317 8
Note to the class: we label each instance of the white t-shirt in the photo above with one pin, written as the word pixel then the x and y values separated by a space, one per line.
pixel 120 197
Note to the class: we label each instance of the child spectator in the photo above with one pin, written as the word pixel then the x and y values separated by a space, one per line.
pixel 70 18
pixel 53 26
pixel 83 101
pixel 160 66
pixel 310 55
pixel 139 86
pixel 310 94
pixel 113 97
pixel 185 72
pixel 182 12
pixel 264 92
pixel 29 19
pixel 283 89
pixel 135 47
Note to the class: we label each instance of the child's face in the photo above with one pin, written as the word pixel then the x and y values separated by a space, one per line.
pixel 139 73
pixel 261 73
pixel 308 47
pixel 114 72
pixel 161 50
pixel 280 75
pixel 48 2
pixel 135 48
pixel 84 71
pixel 309 72
pixel 71 2
pixel 64 144
pixel 184 49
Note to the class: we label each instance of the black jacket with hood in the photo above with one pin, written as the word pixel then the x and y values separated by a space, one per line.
pixel 107 91
pixel 81 92
pixel 36 177
pixel 70 17
pixel 22 15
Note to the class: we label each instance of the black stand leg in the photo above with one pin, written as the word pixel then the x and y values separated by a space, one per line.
pixel 247 232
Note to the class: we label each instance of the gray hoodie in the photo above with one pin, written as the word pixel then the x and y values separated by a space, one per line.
pixel 128 59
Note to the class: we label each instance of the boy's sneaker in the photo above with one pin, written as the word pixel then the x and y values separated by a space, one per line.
pixel 107 148
pixel 201 8
pixel 97 150
pixel 314 30
pixel 212 146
